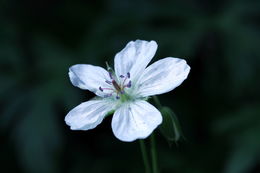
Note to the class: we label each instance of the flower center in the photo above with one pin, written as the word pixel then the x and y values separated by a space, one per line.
pixel 117 86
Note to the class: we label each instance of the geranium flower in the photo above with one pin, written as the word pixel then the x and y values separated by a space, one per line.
pixel 125 90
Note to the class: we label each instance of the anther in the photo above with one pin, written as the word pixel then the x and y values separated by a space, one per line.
pixel 101 89
pixel 122 76
pixel 129 84
pixel 110 75
pixel 117 97
pixel 128 74
pixel 109 82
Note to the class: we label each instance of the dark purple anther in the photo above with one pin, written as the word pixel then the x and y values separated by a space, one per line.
pixel 122 76
pixel 109 82
pixel 129 84
pixel 110 75
pixel 100 89
pixel 117 97
pixel 128 74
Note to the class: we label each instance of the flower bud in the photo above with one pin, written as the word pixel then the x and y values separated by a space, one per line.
pixel 170 128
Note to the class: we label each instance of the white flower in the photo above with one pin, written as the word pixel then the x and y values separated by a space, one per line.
pixel 125 90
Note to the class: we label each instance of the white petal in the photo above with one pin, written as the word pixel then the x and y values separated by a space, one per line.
pixel 89 77
pixel 135 120
pixel 134 58
pixel 88 115
pixel 162 76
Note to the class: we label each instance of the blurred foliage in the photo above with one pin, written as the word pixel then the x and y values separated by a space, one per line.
pixel 218 105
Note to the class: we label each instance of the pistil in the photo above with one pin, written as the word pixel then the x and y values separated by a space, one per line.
pixel 118 86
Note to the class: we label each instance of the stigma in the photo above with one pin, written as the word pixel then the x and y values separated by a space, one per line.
pixel 117 86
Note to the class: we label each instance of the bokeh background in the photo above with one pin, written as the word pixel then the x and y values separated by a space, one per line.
pixel 218 105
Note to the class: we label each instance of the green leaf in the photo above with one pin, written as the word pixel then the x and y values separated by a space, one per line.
pixel 170 127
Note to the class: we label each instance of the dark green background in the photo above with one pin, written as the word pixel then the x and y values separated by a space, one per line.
pixel 218 105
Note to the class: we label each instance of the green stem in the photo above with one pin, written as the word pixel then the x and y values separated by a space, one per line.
pixel 145 156
pixel 157 102
pixel 154 154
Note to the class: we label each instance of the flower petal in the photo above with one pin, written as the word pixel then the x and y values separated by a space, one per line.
pixel 162 76
pixel 135 120
pixel 134 58
pixel 89 77
pixel 89 114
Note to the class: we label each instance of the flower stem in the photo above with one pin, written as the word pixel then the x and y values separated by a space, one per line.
pixel 154 154
pixel 145 156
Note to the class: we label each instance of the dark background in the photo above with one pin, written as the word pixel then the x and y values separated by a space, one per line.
pixel 218 105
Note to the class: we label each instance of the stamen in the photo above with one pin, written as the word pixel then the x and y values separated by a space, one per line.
pixel 129 84
pixel 118 85
pixel 124 81
pixel 110 75
pixel 107 88
pixel 102 89
pixel 109 82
